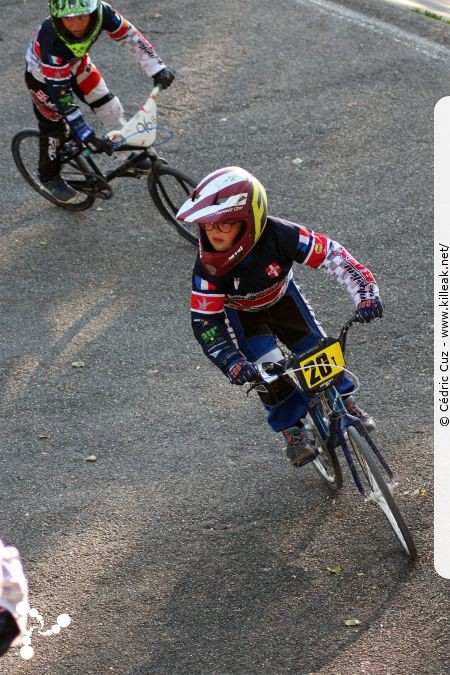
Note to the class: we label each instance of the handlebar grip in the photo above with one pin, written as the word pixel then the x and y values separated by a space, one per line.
pixel 155 91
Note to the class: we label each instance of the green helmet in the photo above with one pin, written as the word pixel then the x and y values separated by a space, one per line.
pixel 61 9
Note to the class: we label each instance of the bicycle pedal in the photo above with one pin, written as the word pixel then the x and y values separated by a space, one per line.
pixel 298 465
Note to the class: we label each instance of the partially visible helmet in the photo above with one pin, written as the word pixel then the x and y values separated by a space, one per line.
pixel 227 194
pixel 61 9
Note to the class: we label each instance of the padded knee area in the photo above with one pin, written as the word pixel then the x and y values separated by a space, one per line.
pixel 111 114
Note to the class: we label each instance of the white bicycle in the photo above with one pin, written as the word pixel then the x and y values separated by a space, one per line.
pixel 168 186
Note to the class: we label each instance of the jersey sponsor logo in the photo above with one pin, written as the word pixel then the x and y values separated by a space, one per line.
pixel 354 268
pixel 44 105
pixel 233 255
pixel 273 270
pixel 264 298
pixel 318 250
pixel 207 304
pixel 144 45
pixel 54 73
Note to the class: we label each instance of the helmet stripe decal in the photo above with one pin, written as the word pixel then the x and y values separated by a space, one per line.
pixel 234 202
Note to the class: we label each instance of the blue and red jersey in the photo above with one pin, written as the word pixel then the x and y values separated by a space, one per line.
pixel 262 279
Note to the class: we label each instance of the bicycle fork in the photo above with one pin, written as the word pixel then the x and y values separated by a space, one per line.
pixel 337 435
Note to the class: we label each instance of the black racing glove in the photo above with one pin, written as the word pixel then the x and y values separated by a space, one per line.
pixel 97 144
pixel 164 78
pixel 242 371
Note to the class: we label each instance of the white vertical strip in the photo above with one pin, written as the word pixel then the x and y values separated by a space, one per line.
pixel 441 337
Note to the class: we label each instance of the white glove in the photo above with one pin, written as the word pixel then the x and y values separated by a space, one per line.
pixel 13 586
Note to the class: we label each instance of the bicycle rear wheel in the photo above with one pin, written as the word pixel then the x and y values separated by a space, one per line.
pixel 169 188
pixel 25 151
pixel 378 491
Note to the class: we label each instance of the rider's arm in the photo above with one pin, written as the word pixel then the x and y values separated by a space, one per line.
pixel 123 32
pixel 50 61
pixel 318 251
pixel 209 324
pixel 58 74
pixel 61 93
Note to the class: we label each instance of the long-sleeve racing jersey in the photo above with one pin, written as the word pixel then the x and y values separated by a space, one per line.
pixel 51 62
pixel 262 279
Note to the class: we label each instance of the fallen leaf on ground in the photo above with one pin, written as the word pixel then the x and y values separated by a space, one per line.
pixel 352 622
pixel 337 569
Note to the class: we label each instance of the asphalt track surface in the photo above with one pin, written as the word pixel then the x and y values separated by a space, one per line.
pixel 190 546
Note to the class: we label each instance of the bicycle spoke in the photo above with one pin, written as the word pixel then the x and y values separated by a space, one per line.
pixel 379 492
pixel 25 149
pixel 169 188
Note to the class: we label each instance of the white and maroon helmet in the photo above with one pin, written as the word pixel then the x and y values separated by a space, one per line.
pixel 227 194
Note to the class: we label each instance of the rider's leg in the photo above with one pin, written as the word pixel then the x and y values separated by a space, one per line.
pixel 90 87
pixel 257 342
pixel 282 399
pixel 52 134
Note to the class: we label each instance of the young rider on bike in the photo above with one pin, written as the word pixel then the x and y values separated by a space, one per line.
pixel 243 273
pixel 58 65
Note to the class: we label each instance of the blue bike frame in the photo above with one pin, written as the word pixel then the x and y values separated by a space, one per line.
pixel 334 434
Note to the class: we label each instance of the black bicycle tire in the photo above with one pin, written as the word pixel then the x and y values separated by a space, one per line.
pixel 329 455
pixel 366 452
pixel 35 184
pixel 161 169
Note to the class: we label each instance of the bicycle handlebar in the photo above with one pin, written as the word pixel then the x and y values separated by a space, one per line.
pixel 280 368
pixel 155 91
pixel 344 330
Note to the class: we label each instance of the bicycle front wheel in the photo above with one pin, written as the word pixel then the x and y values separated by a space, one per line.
pixel 169 188
pixel 326 462
pixel 378 491
pixel 25 151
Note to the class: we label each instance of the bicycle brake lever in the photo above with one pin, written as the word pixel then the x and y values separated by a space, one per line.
pixel 253 386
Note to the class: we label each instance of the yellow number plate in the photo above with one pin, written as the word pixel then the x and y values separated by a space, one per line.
pixel 323 365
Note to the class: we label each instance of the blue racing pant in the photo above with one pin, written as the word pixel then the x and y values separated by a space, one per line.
pixel 291 320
